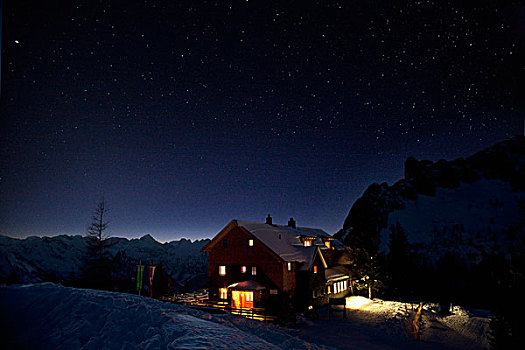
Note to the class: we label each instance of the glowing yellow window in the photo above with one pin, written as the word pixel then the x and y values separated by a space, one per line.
pixel 327 244
pixel 307 243
pixel 315 268
pixel 289 266
pixel 328 291
pixel 224 293
pixel 222 270
pixel 250 242
pixel 241 299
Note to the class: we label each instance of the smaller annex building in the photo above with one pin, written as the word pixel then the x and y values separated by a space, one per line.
pixel 253 264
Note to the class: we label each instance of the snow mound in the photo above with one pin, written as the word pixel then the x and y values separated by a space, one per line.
pixel 47 316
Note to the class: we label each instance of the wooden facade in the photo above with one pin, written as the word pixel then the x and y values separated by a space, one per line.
pixel 253 265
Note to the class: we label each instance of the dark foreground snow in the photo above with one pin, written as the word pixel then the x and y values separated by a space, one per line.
pixel 48 316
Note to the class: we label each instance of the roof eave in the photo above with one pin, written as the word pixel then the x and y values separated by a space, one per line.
pixel 218 236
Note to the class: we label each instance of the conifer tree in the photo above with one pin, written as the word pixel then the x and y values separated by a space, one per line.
pixel 399 262
pixel 98 265
pixel 368 269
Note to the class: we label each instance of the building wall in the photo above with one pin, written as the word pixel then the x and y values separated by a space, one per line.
pixel 289 279
pixel 307 283
pixel 237 253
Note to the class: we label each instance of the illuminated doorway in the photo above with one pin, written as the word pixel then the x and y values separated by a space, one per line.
pixel 242 299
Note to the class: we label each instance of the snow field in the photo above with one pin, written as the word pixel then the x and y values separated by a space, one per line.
pixel 48 316
pixel 380 324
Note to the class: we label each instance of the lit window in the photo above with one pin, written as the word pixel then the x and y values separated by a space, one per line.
pixel 289 266
pixel 222 270
pixel 243 269
pixel 315 268
pixel 254 270
pixel 224 293
pixel 249 296
pixel 327 244
pixel 250 242
pixel 307 243
pixel 328 291
pixel 345 285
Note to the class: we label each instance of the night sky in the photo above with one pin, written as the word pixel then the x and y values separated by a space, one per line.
pixel 187 114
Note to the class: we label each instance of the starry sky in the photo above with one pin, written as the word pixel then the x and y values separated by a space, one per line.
pixel 187 114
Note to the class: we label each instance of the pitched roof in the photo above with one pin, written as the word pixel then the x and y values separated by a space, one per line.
pixel 247 285
pixel 285 241
pixel 336 272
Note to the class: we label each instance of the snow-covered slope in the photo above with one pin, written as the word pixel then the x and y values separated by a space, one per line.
pixel 463 218
pixel 47 316
pixel 60 258
pixel 381 324
pixel 462 206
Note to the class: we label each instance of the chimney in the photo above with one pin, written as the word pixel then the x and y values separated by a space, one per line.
pixel 291 223
pixel 269 220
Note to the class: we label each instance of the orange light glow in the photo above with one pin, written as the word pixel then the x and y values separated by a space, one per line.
pixel 224 293
pixel 242 299
pixel 357 302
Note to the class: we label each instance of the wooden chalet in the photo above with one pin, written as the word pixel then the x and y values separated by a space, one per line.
pixel 253 264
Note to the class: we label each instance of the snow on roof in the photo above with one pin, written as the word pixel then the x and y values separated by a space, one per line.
pixel 247 285
pixel 336 272
pixel 285 241
pixel 313 232
pixel 320 234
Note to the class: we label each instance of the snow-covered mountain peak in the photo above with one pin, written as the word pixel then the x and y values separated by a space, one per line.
pixel 466 202
pixel 60 258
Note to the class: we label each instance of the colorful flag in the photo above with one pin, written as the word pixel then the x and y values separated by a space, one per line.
pixel 140 275
pixel 151 273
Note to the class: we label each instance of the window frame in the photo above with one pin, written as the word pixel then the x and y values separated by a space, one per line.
pixel 223 293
